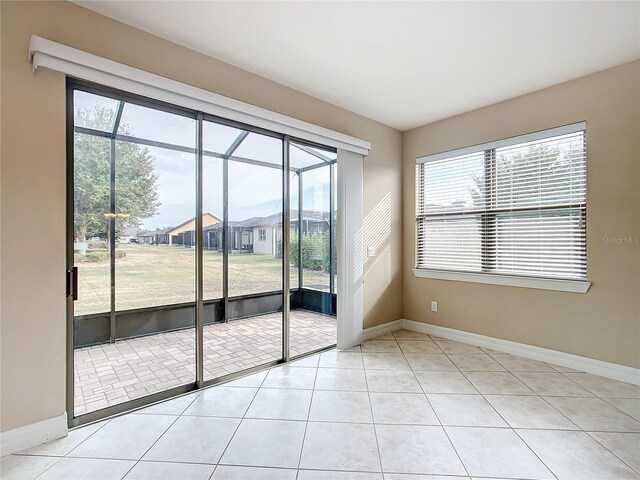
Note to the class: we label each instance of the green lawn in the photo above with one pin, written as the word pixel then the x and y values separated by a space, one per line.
pixel 151 275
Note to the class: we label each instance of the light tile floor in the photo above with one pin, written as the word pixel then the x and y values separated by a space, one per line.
pixel 404 406
pixel 110 374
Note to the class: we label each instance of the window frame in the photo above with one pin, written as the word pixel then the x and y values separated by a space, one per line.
pixel 487 273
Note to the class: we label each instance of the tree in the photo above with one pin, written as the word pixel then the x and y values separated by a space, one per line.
pixel 136 181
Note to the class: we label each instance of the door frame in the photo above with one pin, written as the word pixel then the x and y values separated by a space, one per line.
pixel 199 382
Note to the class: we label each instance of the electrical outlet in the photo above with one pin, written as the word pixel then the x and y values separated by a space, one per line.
pixel 371 251
pixel 434 306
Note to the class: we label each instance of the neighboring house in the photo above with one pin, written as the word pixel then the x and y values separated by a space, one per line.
pixel 180 235
pixel 262 235
pixel 128 235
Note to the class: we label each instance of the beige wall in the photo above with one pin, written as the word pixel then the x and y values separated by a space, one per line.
pixel 33 186
pixel 602 324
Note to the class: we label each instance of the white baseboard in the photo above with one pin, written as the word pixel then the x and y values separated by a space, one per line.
pixel 20 438
pixel 369 333
pixel 583 364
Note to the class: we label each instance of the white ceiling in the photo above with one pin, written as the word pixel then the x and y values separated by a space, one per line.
pixel 403 64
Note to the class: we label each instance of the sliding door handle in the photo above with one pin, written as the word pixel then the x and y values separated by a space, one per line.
pixel 72 283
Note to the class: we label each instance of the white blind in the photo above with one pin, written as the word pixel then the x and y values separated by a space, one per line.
pixel 517 208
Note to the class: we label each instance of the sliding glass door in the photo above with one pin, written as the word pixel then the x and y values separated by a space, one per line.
pixel 199 249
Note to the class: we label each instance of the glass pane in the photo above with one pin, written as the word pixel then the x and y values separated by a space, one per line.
pixel 312 320
pixel 255 219
pixel 151 124
pixel 212 233
pixel 91 177
pixel 262 148
pixel 155 192
pixel 451 185
pixel 218 138
pixel 142 225
pixel 293 239
pixel 93 111
pixel 249 332
pixel 315 229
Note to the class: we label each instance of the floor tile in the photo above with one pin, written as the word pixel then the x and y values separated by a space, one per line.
pixel 402 408
pixel 529 412
pixel 266 443
pixel 430 361
pixel 175 406
pixel 392 381
pixel 552 384
pixel 503 383
pixel 380 346
pixel 514 363
pixel 341 379
pixel 385 361
pixel 166 470
pixel 449 346
pixel 417 449
pixel 444 382
pixel 62 446
pixel 594 414
pixel 416 346
pixel 280 404
pixel 340 446
pixel 194 440
pixel 475 362
pixel 87 468
pixel 222 401
pixel 227 472
pixel 310 361
pixel 334 359
pixel 630 406
pixel 335 475
pixel 410 335
pixel 331 406
pixel 127 437
pixel 496 452
pixel 17 467
pixel 605 387
pixel 290 377
pixel 625 446
pixel 253 380
pixel 572 455
pixel 465 410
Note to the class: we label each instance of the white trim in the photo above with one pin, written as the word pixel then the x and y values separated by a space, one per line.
pixel 583 364
pixel 574 286
pixel 528 137
pixel 21 438
pixel 350 248
pixel 45 53
pixel 378 330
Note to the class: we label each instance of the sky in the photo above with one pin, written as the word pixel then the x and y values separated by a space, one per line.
pixel 253 190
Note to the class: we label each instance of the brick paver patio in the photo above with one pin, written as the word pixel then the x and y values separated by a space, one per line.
pixel 110 374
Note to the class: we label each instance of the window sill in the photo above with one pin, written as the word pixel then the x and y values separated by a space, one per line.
pixel 574 286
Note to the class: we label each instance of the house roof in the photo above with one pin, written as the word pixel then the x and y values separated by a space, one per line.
pixel 273 220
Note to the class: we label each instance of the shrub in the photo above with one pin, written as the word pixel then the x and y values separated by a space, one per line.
pixel 97 245
pixel 315 251
pixel 94 256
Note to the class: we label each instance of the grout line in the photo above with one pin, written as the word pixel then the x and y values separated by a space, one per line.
pixel 610 451
pixel 306 425
pixel 498 413
pixel 434 410
pixel 373 419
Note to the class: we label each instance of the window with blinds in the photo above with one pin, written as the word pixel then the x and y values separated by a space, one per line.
pixel 510 207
